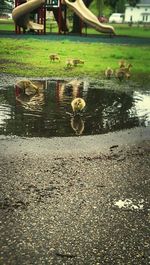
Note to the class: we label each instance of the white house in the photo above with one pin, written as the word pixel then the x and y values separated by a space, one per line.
pixel 139 13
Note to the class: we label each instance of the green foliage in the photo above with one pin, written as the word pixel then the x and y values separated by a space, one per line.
pixel 5 6
pixel 111 3
pixel 116 5
pixel 93 7
pixel 100 7
pixel 133 2
pixel 120 6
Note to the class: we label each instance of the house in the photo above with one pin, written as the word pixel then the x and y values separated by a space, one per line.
pixel 139 13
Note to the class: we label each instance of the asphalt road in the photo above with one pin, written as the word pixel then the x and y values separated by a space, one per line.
pixel 80 200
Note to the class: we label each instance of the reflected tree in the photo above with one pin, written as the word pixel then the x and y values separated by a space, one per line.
pixel 106 110
pixel 109 111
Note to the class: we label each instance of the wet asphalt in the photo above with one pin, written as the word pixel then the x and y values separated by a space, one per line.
pixel 62 199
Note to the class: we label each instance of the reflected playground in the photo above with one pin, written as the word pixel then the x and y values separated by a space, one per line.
pixel 48 113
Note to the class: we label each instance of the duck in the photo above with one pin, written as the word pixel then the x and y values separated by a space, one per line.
pixel 120 74
pixel 109 72
pixel 54 57
pixel 78 105
pixel 77 61
pixel 27 87
pixel 77 124
pixel 124 72
pixel 127 75
pixel 69 63
pixel 122 64
pixel 127 69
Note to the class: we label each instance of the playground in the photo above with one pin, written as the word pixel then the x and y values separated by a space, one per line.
pixel 37 9
pixel 74 176
pixel 35 43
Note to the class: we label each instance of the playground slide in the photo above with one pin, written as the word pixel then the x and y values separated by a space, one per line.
pixel 87 16
pixel 22 12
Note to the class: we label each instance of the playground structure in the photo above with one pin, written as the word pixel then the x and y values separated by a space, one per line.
pixel 23 11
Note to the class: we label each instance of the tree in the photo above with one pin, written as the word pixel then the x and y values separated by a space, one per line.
pixel 112 3
pixel 120 6
pixel 100 6
pixel 133 2
pixel 6 6
pixel 2 6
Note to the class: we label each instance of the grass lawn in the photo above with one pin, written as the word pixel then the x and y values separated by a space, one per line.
pixel 125 30
pixel 120 29
pixel 30 57
pixel 7 25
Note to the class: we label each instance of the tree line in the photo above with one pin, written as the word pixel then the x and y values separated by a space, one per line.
pixel 7 5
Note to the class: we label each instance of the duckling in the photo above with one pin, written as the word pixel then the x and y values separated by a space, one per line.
pixel 69 63
pixel 127 71
pixel 128 67
pixel 109 72
pixel 78 105
pixel 54 57
pixel 122 64
pixel 124 70
pixel 120 74
pixel 127 75
pixel 77 124
pixel 77 61
pixel 27 87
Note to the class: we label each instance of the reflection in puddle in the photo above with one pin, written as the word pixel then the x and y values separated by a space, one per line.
pixel 142 104
pixel 45 113
pixel 128 204
pixel 77 124
pixel 4 115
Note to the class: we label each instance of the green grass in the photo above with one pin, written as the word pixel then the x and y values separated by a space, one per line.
pixel 120 29
pixel 7 25
pixel 30 57
pixel 125 30
pixel 135 31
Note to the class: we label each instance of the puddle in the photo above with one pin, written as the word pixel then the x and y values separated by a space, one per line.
pixel 47 114
pixel 130 205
